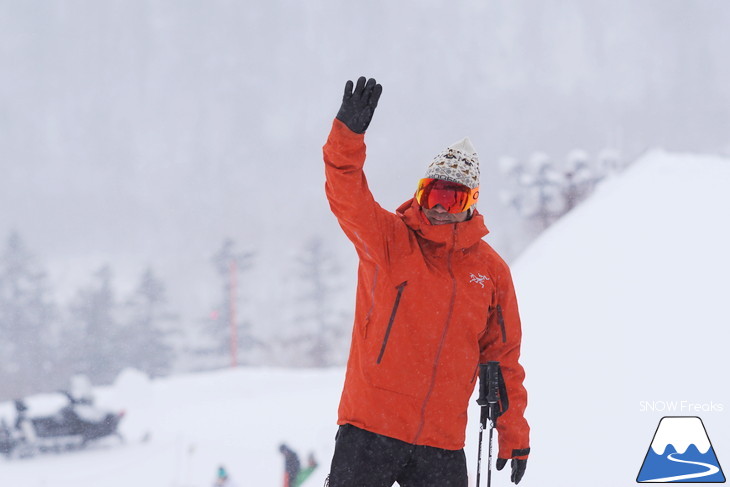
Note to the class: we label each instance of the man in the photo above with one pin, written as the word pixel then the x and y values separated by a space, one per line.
pixel 433 301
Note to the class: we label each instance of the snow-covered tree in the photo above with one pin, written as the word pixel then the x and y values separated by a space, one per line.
pixel 27 322
pixel 580 179
pixel 148 328
pixel 317 337
pixel 610 162
pixel 542 197
pixel 92 336
pixel 544 190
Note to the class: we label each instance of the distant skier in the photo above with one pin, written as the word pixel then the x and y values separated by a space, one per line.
pixel 222 479
pixel 294 475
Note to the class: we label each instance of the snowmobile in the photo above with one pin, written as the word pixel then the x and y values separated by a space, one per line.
pixel 73 426
pixel 7 439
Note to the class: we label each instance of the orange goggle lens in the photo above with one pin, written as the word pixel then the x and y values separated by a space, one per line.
pixel 453 197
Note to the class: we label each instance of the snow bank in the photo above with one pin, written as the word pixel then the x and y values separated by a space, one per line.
pixel 624 311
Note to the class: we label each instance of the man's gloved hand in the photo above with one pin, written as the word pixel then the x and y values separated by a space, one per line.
pixel 358 105
pixel 518 468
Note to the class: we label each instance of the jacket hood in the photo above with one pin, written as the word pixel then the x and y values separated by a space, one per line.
pixel 461 235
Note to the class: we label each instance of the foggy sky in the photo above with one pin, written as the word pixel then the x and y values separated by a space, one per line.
pixel 142 133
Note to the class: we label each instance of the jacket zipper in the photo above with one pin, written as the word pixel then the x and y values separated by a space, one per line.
pixel 443 339
pixel 400 288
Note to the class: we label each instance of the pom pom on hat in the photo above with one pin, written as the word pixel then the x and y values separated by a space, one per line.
pixel 459 163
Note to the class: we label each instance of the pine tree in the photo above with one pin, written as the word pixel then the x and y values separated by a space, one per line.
pixel 27 319
pixel 148 328
pixel 317 335
pixel 93 334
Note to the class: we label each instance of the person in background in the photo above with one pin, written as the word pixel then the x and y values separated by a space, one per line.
pixel 222 478
pixel 294 475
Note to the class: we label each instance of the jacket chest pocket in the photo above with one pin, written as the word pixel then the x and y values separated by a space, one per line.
pixel 391 320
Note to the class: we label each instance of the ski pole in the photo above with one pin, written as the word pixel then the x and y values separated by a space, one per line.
pixel 489 400
pixel 479 451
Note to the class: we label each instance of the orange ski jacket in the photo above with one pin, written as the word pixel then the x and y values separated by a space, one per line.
pixel 433 301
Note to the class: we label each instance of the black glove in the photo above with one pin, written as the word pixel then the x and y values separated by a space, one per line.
pixel 518 468
pixel 358 106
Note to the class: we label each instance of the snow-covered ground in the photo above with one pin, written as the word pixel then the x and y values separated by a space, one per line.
pixel 235 418
pixel 624 310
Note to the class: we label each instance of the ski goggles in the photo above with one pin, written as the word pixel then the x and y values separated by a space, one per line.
pixel 453 197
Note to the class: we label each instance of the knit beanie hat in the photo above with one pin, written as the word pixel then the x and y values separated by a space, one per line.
pixel 458 163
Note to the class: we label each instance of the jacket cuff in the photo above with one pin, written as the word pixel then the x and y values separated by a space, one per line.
pixel 518 453
pixel 521 453
pixel 342 130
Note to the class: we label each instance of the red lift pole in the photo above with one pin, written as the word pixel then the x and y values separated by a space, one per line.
pixel 232 285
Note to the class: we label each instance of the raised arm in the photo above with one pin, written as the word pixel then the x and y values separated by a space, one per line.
pixel 365 223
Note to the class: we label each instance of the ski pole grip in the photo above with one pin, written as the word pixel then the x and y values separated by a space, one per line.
pixel 492 382
pixel 488 383
pixel 483 385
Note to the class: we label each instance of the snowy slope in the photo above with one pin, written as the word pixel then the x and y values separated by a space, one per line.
pixel 622 302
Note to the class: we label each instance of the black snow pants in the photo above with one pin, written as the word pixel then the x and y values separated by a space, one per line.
pixel 365 459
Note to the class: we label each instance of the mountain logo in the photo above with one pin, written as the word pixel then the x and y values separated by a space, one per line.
pixel 680 452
